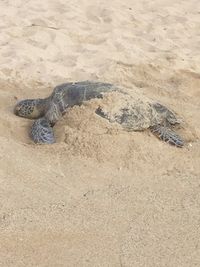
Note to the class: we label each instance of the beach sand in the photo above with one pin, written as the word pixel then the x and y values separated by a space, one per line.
pixel 100 196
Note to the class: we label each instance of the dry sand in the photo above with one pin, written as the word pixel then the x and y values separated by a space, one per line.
pixel 100 196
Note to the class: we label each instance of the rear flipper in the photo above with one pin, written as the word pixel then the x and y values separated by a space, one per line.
pixel 42 132
pixel 167 135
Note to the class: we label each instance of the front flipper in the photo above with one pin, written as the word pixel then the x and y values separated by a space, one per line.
pixel 167 135
pixel 42 132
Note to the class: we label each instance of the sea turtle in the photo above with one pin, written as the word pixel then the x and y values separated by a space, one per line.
pixel 130 108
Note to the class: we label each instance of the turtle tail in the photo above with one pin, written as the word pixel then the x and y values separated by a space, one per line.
pixel 168 135
pixel 42 132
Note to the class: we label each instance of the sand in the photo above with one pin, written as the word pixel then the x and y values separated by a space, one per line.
pixel 100 196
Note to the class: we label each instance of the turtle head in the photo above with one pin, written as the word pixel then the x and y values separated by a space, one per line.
pixel 30 108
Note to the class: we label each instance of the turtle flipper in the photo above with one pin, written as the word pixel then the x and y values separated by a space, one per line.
pixel 167 135
pixel 168 115
pixel 42 132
